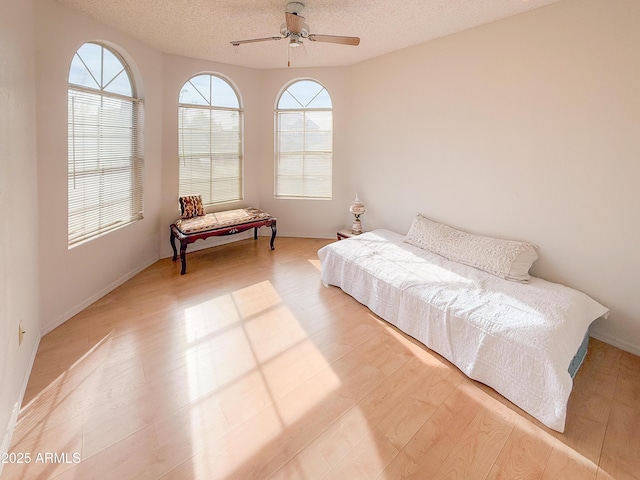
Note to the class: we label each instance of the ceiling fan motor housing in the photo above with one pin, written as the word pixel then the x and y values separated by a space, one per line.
pixel 285 32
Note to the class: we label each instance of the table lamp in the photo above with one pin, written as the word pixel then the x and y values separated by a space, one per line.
pixel 357 208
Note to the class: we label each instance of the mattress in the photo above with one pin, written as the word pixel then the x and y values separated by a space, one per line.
pixel 519 339
pixel 578 358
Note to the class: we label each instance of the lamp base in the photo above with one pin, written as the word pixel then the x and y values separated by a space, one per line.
pixel 356 228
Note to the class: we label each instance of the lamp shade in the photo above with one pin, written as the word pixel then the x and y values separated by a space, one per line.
pixel 357 207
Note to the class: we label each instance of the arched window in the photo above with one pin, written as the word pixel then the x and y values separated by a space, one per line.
pixel 105 163
pixel 210 140
pixel 304 141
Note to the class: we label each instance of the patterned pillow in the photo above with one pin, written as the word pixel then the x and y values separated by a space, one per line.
pixel 506 259
pixel 191 206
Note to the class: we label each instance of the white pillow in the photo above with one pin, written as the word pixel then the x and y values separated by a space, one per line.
pixel 506 259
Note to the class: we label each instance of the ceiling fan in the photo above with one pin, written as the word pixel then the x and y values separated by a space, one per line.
pixel 295 30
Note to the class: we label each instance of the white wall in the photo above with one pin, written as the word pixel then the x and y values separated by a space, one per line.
pixel 18 217
pixel 527 128
pixel 72 279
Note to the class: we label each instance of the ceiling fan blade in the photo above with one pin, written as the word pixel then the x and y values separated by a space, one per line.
pixel 355 41
pixel 295 22
pixel 235 43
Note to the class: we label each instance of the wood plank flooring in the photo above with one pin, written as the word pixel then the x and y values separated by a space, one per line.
pixel 249 368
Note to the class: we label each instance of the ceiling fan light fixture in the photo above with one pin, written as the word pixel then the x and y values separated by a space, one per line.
pixel 294 41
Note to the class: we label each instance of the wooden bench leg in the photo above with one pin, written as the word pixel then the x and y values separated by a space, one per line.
pixel 183 256
pixel 172 239
pixel 273 234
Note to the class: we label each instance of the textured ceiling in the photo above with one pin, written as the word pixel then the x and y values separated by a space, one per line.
pixel 204 28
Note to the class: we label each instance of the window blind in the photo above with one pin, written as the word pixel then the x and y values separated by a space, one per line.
pixel 304 153
pixel 210 152
pixel 105 163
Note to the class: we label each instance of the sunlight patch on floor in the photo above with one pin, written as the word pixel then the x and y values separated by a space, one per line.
pixel 256 328
pixel 316 263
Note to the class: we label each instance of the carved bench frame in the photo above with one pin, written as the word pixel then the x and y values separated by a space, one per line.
pixel 187 238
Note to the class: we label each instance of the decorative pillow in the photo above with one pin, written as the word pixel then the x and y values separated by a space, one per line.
pixel 506 259
pixel 191 206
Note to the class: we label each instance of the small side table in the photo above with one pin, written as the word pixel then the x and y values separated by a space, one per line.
pixel 346 233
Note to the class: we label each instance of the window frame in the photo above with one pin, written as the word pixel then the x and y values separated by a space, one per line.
pixel 305 193
pixel 236 195
pixel 107 200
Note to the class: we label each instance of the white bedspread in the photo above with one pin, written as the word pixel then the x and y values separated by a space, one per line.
pixel 517 338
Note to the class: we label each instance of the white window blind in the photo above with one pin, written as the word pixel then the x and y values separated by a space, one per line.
pixel 210 140
pixel 304 142
pixel 105 163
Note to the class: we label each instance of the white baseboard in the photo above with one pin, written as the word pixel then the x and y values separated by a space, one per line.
pixel 13 420
pixel 616 342
pixel 321 236
pixel 93 298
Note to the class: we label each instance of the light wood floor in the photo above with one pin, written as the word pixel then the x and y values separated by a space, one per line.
pixel 248 368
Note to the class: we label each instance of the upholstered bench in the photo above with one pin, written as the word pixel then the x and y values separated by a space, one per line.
pixel 188 230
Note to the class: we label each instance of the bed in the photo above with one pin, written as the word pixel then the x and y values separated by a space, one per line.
pixel 519 337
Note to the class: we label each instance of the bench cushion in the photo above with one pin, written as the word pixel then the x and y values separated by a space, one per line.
pixel 214 221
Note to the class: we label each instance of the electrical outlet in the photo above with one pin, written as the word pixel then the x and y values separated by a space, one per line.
pixel 21 333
